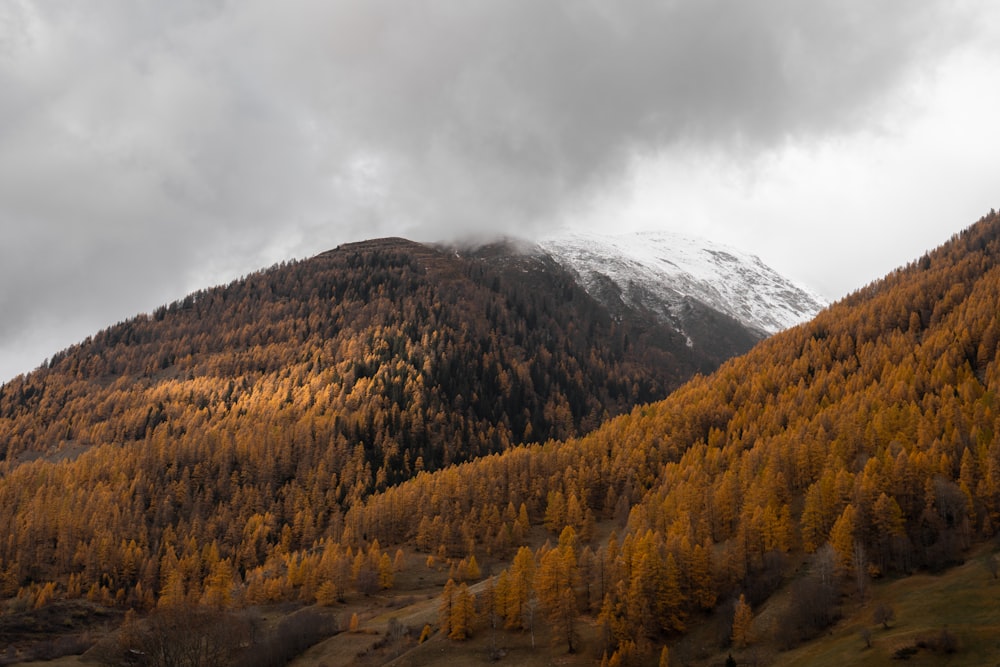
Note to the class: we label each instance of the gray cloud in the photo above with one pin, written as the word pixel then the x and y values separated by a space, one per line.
pixel 150 148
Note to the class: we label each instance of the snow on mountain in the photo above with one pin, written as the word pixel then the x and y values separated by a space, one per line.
pixel 661 272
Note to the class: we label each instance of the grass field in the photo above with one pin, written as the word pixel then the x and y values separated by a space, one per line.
pixel 964 601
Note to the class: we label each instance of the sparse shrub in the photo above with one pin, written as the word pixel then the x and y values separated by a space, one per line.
pixel 19 604
pixel 181 635
pixel 190 636
pixel 946 642
pixel 884 614
pixel 396 630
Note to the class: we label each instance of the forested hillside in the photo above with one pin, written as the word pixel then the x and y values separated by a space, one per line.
pixel 867 441
pixel 245 418
pixel 407 350
pixel 861 445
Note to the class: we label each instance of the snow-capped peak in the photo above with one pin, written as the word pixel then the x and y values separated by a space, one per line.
pixel 659 271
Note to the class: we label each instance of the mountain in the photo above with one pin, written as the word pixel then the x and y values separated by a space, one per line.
pixel 676 278
pixel 720 300
pixel 648 339
pixel 293 393
pixel 206 451
pixel 704 307
pixel 862 444
pixel 414 352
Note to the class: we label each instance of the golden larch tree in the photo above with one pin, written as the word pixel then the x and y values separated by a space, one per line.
pixel 742 621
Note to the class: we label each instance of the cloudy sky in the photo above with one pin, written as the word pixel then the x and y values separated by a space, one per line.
pixel 149 148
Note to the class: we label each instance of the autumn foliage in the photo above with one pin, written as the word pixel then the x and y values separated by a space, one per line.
pixel 863 443
pixel 207 449
pixel 867 438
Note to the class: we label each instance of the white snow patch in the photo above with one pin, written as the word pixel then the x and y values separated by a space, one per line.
pixel 658 270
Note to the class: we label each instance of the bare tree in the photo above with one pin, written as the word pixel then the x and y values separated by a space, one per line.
pixel 946 642
pixel 395 633
pixel 181 636
pixel 860 562
pixel 492 613
pixel 884 614
pixel 813 605
pixel 824 565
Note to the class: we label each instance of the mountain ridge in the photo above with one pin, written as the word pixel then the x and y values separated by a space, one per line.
pixel 661 271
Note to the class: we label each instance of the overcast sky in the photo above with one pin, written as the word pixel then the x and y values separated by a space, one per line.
pixel 149 148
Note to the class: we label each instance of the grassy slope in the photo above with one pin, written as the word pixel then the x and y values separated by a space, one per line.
pixel 965 600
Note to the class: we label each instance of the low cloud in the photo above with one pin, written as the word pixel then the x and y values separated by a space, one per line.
pixel 151 148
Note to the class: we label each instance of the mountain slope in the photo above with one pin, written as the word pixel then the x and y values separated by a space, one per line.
pixel 246 418
pixel 865 442
pixel 472 358
pixel 209 452
pixel 709 330
pixel 668 274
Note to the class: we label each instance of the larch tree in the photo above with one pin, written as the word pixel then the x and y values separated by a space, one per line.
pixel 742 622
pixel 463 614
pixel 553 586
pixel 446 610
pixel 842 537
pixel 520 586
